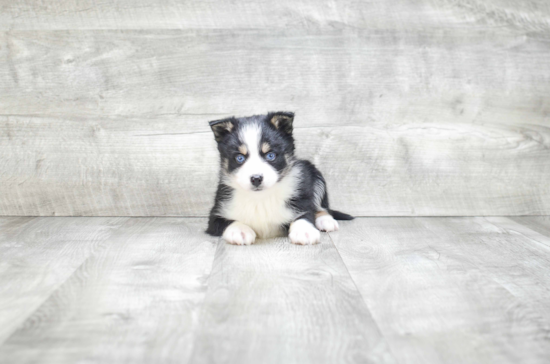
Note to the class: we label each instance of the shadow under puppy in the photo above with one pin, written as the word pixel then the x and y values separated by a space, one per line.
pixel 264 191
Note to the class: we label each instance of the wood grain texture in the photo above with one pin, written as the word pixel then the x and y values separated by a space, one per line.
pixel 274 302
pixel 343 76
pixel 378 14
pixel 38 255
pixel 136 301
pixel 511 254
pixel 448 290
pixel 540 224
pixel 399 290
pixel 104 106
pixel 54 167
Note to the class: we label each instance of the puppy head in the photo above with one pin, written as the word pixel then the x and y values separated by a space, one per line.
pixel 257 151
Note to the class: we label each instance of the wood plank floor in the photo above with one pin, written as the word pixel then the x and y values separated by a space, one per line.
pixel 380 290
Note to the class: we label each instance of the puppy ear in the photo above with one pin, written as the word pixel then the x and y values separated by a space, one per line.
pixel 282 121
pixel 222 127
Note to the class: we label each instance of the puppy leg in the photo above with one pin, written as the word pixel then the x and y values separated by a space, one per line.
pixel 303 232
pixel 239 234
pixel 325 222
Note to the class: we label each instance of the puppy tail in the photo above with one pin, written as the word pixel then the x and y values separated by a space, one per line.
pixel 337 215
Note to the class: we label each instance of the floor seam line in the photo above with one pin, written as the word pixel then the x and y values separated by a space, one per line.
pixel 486 273
pixel 363 300
pixel 60 285
pixel 200 315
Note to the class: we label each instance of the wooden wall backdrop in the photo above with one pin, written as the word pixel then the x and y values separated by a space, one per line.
pixel 408 107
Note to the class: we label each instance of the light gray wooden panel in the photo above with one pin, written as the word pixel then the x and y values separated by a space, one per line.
pixel 509 253
pixel 274 302
pixel 143 14
pixel 339 77
pixel 540 224
pixel 105 168
pixel 140 168
pixel 146 14
pixel 10 226
pixel 101 122
pixel 440 289
pixel 38 255
pixel 136 301
pixel 534 230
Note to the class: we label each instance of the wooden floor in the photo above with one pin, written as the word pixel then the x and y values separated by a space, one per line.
pixel 384 290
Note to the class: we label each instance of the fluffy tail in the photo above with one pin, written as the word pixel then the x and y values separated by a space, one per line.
pixel 337 215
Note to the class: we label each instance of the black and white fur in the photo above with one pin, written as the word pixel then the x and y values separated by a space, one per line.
pixel 265 198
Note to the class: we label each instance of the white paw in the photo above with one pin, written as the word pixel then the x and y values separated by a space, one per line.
pixel 303 232
pixel 326 223
pixel 239 234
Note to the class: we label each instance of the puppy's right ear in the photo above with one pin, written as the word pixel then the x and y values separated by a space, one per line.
pixel 222 127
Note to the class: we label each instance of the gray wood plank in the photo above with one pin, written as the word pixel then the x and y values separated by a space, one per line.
pixel 274 302
pixel 108 168
pixel 142 14
pixel 114 122
pixel 512 255
pixel 530 229
pixel 347 77
pixel 441 289
pixel 10 226
pixel 137 300
pixel 37 255
pixel 540 224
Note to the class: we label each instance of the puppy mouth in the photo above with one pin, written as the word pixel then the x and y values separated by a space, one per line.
pixel 257 188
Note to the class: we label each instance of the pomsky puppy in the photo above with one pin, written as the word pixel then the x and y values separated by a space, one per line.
pixel 263 190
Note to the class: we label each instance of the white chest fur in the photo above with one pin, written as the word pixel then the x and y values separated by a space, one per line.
pixel 264 211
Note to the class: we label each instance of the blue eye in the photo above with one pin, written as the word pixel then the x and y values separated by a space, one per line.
pixel 240 158
pixel 270 156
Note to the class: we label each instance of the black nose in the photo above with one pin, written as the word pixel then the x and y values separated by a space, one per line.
pixel 256 180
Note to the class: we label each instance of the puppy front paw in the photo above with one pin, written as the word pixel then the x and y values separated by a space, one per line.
pixel 303 232
pixel 326 223
pixel 239 234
